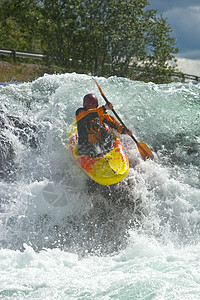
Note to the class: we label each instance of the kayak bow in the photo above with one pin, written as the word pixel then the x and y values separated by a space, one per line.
pixel 108 169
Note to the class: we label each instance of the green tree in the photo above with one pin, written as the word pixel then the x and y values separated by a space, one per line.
pixel 110 37
pixel 160 48
pixel 18 25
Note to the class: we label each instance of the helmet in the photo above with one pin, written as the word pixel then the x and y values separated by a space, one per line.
pixel 90 101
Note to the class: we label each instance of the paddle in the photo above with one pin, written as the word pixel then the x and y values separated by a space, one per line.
pixel 144 150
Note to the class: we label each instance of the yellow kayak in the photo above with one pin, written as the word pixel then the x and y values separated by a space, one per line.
pixel 108 169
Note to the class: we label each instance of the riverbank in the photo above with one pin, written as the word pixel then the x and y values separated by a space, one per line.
pixel 22 72
pixel 26 72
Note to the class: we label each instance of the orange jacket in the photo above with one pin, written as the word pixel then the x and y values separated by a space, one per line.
pixel 90 122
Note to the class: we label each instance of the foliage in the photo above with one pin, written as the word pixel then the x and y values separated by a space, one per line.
pixel 110 37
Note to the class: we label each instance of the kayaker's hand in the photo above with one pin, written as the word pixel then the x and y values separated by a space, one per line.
pixel 109 106
pixel 129 132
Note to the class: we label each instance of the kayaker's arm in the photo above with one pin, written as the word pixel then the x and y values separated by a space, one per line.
pixel 143 148
pixel 109 106
pixel 117 126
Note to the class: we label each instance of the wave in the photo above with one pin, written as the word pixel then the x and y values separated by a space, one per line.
pixel 46 202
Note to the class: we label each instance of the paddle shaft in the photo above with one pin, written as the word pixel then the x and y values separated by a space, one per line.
pixel 115 112
pixel 146 153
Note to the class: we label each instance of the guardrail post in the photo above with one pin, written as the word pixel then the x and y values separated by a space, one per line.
pixel 14 55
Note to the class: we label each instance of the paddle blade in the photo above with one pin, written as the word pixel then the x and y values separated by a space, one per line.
pixel 144 151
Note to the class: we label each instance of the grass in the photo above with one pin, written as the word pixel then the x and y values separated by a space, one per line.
pixel 22 72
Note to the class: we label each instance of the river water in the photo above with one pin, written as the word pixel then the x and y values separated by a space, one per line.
pixel 63 236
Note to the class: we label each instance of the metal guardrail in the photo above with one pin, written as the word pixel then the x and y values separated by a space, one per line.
pixel 15 53
pixel 191 77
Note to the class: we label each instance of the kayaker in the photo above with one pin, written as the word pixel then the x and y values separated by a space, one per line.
pixel 92 125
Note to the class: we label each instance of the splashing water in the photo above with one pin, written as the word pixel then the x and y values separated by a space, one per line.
pixel 63 236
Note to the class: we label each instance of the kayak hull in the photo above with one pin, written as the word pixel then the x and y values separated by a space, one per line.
pixel 107 169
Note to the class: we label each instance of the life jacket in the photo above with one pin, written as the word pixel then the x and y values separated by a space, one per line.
pixel 92 122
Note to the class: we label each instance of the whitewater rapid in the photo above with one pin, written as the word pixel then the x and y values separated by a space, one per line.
pixel 63 236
